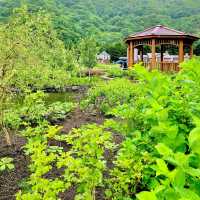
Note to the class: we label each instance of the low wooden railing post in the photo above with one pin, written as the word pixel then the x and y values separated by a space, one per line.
pixel 153 53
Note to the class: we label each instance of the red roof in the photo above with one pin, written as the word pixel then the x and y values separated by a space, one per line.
pixel 160 31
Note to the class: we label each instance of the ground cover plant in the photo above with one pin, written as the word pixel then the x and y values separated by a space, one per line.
pixel 6 164
pixel 82 165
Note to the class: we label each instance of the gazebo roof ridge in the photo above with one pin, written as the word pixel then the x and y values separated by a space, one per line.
pixel 171 29
pixel 157 26
pixel 160 31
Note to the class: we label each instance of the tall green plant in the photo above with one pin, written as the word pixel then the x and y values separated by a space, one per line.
pixel 162 127
pixel 88 53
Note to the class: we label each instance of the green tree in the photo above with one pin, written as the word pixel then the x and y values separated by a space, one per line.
pixel 30 54
pixel 116 50
pixel 78 19
pixel 88 53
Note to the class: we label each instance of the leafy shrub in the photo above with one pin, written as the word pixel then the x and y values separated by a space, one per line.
pixel 83 165
pixel 83 81
pixel 116 72
pixel 128 171
pixel 34 110
pixel 110 94
pixel 42 160
pixel 12 119
pixel 58 111
pixel 130 73
pixel 162 125
pixel 85 162
pixel 6 163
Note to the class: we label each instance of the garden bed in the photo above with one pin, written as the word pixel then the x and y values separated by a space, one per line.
pixel 10 182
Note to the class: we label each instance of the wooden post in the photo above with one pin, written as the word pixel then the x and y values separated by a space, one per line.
pixel 181 51
pixel 161 57
pixel 141 54
pixel 128 58
pixel 153 51
pixel 133 56
pixel 130 54
pixel 191 51
pixel 162 51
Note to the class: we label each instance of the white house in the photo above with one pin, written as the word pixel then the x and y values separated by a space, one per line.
pixel 104 57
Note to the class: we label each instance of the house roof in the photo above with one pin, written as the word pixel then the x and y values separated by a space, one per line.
pixel 104 53
pixel 161 32
pixel 104 56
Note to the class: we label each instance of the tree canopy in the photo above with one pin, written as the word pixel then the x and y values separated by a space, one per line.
pixel 110 21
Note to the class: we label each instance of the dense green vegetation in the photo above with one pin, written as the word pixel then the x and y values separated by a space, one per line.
pixel 110 21
pixel 158 158
pixel 145 141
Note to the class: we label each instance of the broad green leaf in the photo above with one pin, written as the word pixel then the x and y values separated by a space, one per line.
pixel 181 159
pixel 10 166
pixel 162 115
pixel 171 194
pixel 165 129
pixel 196 121
pixel 189 194
pixel 179 179
pixel 164 150
pixel 162 168
pixel 193 172
pixel 146 196
pixel 194 140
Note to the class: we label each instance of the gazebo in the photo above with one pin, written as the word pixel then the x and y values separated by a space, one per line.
pixel 162 37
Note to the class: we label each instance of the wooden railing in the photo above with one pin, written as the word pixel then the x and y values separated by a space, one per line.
pixel 163 66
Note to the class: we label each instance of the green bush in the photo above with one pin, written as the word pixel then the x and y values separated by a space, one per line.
pixel 116 72
pixel 33 110
pixel 83 81
pixel 162 127
pixel 110 94
pixel 58 111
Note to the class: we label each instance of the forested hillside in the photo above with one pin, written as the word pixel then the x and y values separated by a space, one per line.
pixel 110 21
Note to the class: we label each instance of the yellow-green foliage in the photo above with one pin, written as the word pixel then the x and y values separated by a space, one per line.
pixel 158 118
pixel 162 125
pixel 110 94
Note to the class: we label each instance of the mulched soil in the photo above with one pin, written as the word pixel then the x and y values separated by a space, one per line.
pixel 79 118
pixel 9 181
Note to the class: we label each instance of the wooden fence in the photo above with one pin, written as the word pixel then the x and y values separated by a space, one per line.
pixel 163 66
